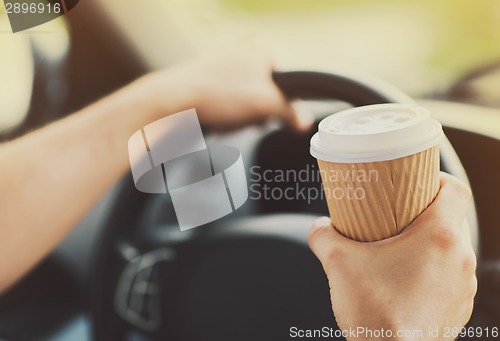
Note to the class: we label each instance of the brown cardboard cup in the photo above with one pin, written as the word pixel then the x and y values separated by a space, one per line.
pixel 373 190
pixel 377 200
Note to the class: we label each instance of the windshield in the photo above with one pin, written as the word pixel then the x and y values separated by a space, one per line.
pixel 421 46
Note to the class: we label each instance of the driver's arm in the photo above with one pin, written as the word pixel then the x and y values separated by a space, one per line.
pixel 51 177
pixel 421 280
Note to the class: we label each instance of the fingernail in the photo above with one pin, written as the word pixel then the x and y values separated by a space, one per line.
pixel 320 222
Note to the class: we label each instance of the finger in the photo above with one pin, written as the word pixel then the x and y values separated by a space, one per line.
pixel 450 206
pixel 452 201
pixel 301 117
pixel 467 234
pixel 326 242
pixel 295 114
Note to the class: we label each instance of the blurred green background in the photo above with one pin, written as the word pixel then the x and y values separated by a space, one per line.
pixel 420 45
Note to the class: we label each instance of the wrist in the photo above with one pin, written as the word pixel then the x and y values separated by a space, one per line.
pixel 164 93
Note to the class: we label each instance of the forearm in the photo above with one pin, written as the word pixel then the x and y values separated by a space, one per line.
pixel 50 178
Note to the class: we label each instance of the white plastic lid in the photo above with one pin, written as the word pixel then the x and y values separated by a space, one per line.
pixel 373 133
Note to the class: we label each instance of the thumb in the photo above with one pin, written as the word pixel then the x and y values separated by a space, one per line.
pixel 298 116
pixel 448 210
pixel 326 242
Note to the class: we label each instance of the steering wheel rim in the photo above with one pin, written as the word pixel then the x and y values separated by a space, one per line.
pixel 130 202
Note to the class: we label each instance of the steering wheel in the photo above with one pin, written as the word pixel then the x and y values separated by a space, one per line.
pixel 247 276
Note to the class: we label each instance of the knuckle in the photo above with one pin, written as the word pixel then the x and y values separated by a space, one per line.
pixel 335 255
pixel 334 260
pixel 469 263
pixel 445 236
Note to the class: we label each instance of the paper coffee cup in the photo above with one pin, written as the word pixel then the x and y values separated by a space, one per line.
pixel 380 167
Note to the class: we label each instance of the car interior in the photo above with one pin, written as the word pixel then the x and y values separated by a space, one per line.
pixel 126 271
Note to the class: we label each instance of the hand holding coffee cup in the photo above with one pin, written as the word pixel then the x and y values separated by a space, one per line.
pixel 379 166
